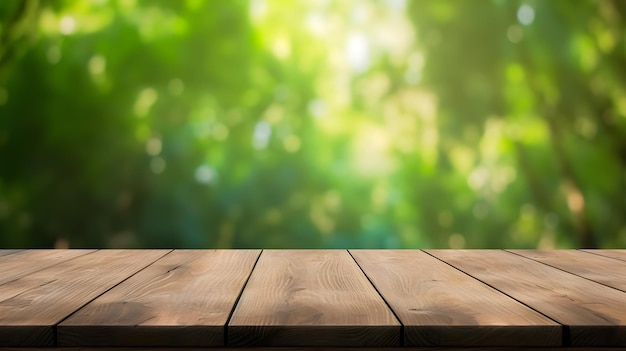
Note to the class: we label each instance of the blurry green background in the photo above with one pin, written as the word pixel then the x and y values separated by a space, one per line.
pixel 313 123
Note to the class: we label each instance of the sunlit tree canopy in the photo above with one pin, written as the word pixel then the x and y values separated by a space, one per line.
pixel 313 123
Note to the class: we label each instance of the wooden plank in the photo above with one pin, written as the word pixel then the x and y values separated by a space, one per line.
pixel 24 262
pixel 31 305
pixel 441 306
pixel 616 254
pixel 595 314
pixel 600 269
pixel 184 299
pixel 311 298
pixel 4 252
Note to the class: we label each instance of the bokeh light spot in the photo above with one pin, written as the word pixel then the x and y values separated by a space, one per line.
pixel 456 241
pixel 292 143
pixel 146 98
pixel 220 132
pixel 205 174
pixel 97 65
pixel 515 34
pixel 281 47
pixel 257 9
pixel 358 52
pixel 526 14
pixel 261 135
pixel 317 108
pixel 67 25
pixel 153 146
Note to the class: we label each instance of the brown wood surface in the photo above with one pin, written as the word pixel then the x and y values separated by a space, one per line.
pixel 617 254
pixel 20 263
pixel 441 306
pixel 311 298
pixel 32 305
pixel 600 269
pixel 4 252
pixel 595 314
pixel 184 299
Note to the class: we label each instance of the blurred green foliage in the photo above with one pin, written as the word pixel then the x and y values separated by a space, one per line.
pixel 318 123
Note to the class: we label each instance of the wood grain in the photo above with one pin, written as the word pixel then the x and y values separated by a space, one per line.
pixel 600 269
pixel 311 298
pixel 23 262
pixel 183 299
pixel 616 254
pixel 4 252
pixel 595 314
pixel 441 306
pixel 31 305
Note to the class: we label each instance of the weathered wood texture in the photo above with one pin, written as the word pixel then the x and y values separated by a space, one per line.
pixel 4 252
pixel 617 254
pixel 20 263
pixel 601 269
pixel 594 314
pixel 184 299
pixel 319 298
pixel 32 305
pixel 311 298
pixel 441 306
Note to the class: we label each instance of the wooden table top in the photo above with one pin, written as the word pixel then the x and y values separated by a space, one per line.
pixel 238 299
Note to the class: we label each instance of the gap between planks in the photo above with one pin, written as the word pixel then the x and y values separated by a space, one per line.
pixel 562 260
pixel 182 300
pixel 402 326
pixel 293 295
pixel 594 313
pixel 56 326
pixel 383 298
pixel 441 306
pixel 32 305
pixel 566 340
pixel 232 310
